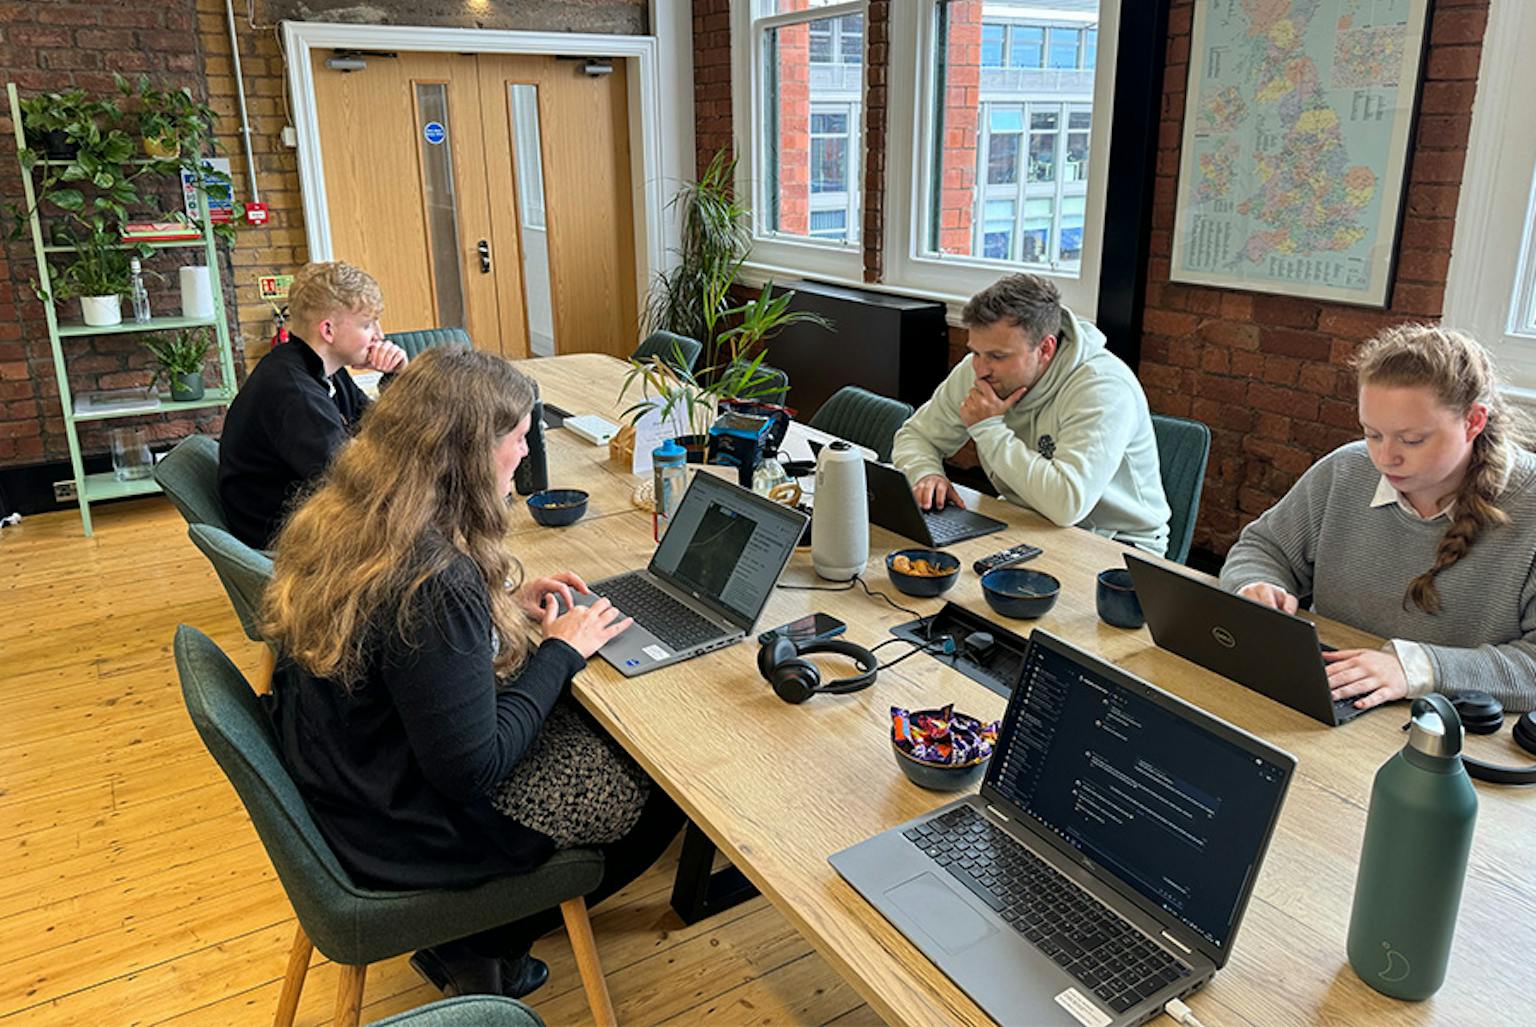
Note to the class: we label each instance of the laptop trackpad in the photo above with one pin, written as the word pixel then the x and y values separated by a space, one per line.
pixel 940 913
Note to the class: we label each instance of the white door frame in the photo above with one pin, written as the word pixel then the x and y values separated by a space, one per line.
pixel 646 171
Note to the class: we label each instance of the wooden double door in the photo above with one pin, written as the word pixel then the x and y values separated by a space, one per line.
pixel 486 191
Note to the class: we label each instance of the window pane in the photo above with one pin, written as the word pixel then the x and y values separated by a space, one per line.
pixel 1063 52
pixel 992 46
pixel 851 37
pixel 764 8
pixel 1028 47
pixel 1003 159
pixel 821 42
pixel 810 131
pixel 1013 113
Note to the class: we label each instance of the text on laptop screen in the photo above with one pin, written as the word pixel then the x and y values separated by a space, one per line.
pixel 1175 811
pixel 722 545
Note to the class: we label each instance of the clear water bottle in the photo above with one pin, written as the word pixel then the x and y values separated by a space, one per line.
pixel 669 465
pixel 1414 859
pixel 137 290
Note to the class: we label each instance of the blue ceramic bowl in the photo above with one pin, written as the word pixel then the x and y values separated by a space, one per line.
pixel 940 777
pixel 1019 593
pixel 556 508
pixel 924 587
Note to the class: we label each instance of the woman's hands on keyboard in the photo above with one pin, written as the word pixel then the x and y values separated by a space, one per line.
pixel 585 629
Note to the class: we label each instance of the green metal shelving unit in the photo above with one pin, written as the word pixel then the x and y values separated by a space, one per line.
pixel 93 488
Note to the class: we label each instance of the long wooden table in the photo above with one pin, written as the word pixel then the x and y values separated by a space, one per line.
pixel 779 788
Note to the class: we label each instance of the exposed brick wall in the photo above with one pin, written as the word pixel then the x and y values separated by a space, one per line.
pixel 711 80
pixel 962 111
pixel 1268 373
pixel 54 46
pixel 63 43
pixel 877 55
pixel 792 46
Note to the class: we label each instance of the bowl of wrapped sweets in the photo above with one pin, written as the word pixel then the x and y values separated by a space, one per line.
pixel 941 749
pixel 922 572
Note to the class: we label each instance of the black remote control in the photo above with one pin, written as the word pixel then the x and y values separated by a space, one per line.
pixel 1007 558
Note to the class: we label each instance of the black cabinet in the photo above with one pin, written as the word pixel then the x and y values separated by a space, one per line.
pixel 893 345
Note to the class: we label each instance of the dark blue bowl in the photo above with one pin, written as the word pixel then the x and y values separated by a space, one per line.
pixel 1019 593
pixel 917 584
pixel 940 777
pixel 556 508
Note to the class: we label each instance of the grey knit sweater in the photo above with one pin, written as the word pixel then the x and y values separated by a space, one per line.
pixel 1324 539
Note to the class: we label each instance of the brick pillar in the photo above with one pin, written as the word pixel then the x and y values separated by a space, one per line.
pixel 877 34
pixel 711 80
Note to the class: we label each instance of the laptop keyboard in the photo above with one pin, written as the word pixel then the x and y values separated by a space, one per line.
pixel 669 620
pixel 946 529
pixel 1108 956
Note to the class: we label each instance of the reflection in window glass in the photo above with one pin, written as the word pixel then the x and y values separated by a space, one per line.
pixel 1028 47
pixel 1063 52
pixel 442 208
pixel 810 131
pixel 992 37
pixel 1020 84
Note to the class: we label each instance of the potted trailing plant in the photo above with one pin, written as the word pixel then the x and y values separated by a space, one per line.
pixel 171 121
pixel 180 359
pixel 57 123
pixel 98 276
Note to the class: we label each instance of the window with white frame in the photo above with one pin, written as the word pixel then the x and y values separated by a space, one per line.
pixel 997 134
pixel 807 72
pixel 1491 283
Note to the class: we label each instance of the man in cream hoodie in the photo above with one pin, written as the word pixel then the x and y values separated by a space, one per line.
pixel 1060 423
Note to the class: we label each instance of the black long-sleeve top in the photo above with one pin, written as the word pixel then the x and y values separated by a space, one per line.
pixel 281 431
pixel 399 772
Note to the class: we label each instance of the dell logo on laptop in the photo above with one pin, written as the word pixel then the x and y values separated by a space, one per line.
pixel 1224 636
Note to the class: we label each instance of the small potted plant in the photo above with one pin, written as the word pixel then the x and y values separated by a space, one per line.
pixel 180 359
pixel 58 122
pixel 692 400
pixel 171 121
pixel 98 276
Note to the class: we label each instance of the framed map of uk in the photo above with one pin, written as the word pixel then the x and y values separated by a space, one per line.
pixel 1296 129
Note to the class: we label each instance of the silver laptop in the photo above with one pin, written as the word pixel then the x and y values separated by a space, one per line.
pixel 1105 866
pixel 708 580
pixel 893 507
pixel 1261 648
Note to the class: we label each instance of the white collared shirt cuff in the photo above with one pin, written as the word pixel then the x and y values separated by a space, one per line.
pixel 1417 668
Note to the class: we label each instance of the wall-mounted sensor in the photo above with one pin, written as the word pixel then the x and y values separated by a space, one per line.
pixel 345 63
pixel 597 67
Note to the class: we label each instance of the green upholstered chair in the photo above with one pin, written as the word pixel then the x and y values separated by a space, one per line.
pixel 770 385
pixel 862 417
pixel 350 924
pixel 466 1011
pixel 418 342
pixel 1183 447
pixel 189 476
pixel 678 350
pixel 244 572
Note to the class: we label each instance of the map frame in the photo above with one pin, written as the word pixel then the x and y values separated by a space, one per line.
pixel 1195 215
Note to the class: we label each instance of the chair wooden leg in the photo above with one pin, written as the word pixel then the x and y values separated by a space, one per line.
pixel 293 980
pixel 349 995
pixel 263 682
pixel 587 964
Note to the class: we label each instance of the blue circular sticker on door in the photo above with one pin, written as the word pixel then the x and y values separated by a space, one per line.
pixel 435 132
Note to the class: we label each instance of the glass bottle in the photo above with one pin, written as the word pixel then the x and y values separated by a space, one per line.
pixel 139 293
pixel 669 464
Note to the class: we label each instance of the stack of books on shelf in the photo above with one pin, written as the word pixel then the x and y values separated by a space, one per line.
pixel 159 231
pixel 117 401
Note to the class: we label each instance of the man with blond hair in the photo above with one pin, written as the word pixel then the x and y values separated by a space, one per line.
pixel 295 409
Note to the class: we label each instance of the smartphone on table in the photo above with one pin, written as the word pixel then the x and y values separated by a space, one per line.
pixel 813 627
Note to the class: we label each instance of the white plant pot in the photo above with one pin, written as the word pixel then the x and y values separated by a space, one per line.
pixel 102 311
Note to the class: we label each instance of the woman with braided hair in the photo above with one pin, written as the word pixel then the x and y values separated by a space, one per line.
pixel 1425 532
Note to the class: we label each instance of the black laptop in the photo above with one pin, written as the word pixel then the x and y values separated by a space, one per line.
pixel 1258 646
pixel 893 507
pixel 1105 865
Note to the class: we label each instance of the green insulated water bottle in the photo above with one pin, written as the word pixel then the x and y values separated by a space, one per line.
pixel 1417 836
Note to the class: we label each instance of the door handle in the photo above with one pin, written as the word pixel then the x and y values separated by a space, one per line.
pixel 484 249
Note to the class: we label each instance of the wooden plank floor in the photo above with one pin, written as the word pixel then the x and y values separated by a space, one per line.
pixel 133 889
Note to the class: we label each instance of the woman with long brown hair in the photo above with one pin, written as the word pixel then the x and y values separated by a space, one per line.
pixel 421 692
pixel 1425 532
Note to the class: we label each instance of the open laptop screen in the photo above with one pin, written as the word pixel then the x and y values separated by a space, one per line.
pixel 1175 804
pixel 727 546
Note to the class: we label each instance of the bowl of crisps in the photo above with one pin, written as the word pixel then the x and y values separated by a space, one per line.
pixel 940 749
pixel 922 572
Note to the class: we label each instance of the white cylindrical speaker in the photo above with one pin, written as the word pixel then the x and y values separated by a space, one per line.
pixel 196 292
pixel 840 516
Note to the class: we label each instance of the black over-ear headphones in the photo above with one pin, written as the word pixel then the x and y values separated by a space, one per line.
pixel 1482 714
pixel 795 680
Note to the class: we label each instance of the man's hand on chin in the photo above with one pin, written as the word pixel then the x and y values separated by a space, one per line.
pixel 386 357
pixel 981 403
